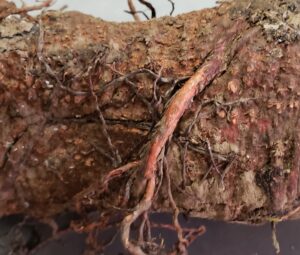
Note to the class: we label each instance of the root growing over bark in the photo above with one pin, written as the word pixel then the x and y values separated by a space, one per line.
pixel 215 64
pixel 106 80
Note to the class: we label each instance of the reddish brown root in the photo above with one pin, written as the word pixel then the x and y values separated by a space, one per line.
pixel 182 242
pixel 142 207
pixel 181 101
pixel 212 67
pixel 119 171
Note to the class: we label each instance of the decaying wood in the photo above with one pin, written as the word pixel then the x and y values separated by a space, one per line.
pixel 196 114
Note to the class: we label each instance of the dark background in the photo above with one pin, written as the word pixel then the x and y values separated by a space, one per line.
pixel 220 238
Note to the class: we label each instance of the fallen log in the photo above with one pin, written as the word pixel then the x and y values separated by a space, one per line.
pixel 196 114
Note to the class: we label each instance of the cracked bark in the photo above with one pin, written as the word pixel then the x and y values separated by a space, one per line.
pixel 56 165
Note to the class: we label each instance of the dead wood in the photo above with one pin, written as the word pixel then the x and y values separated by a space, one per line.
pixel 196 114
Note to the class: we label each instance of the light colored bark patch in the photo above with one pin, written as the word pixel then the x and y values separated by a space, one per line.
pixel 252 196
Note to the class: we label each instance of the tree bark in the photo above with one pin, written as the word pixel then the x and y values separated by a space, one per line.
pixel 81 96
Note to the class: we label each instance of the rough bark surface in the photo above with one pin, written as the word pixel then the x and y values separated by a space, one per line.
pixel 235 154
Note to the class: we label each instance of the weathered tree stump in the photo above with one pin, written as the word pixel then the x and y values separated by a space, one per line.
pixel 81 96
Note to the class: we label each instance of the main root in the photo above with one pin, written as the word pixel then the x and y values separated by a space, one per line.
pixel 214 65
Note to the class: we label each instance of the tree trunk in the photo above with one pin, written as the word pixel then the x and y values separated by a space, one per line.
pixel 81 96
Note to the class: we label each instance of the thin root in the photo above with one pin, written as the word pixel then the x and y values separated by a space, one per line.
pixel 117 158
pixel 119 171
pixel 182 242
pixel 274 238
pixel 25 9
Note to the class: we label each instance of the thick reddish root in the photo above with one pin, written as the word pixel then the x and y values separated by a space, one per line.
pixel 181 101
pixel 212 67
pixel 143 206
